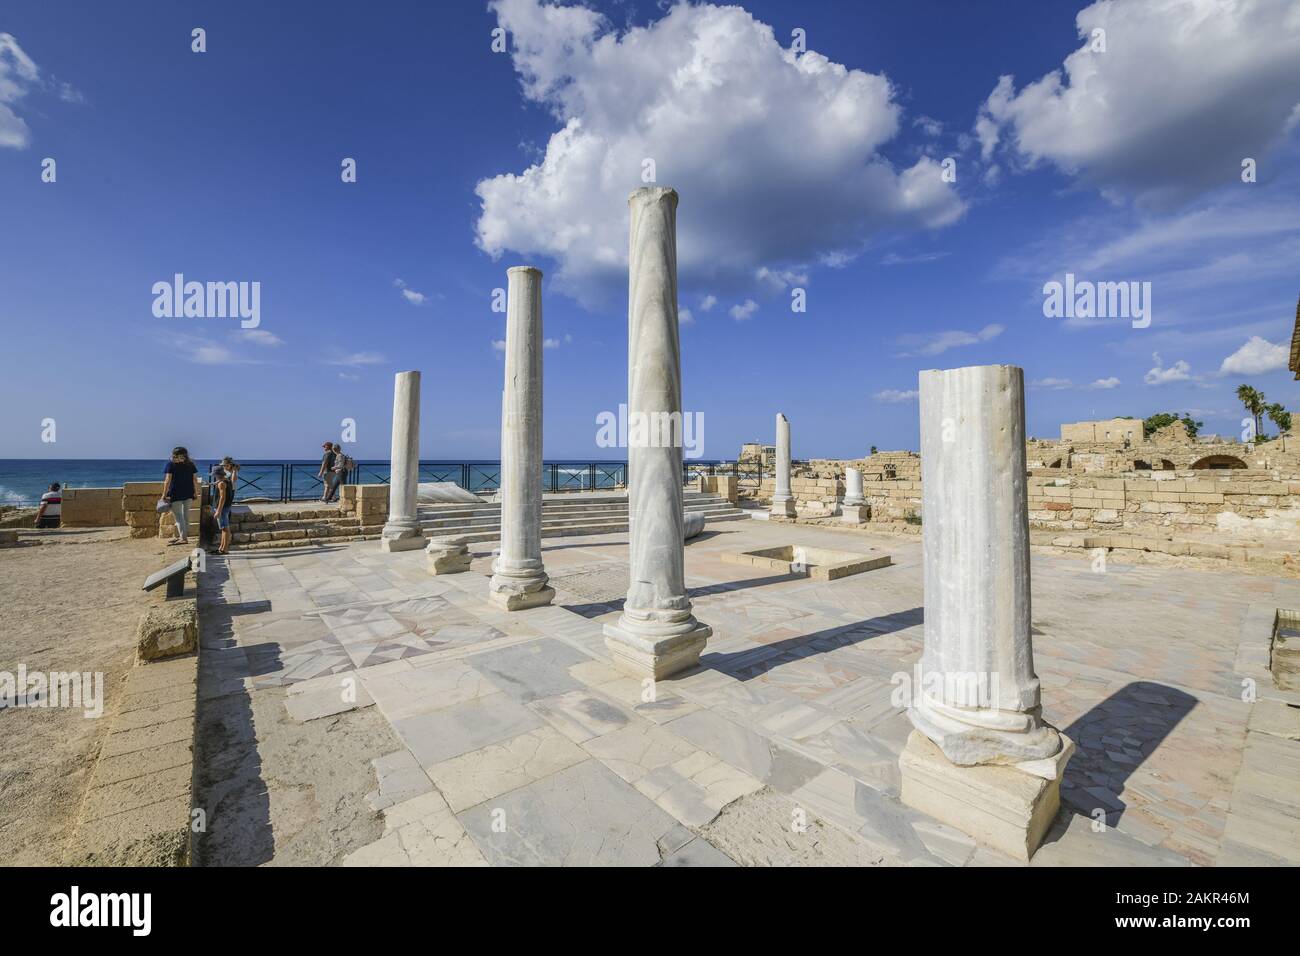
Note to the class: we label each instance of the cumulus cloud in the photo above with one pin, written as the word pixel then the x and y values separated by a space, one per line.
pixel 937 342
pixel 1180 371
pixel 775 154
pixel 1184 90
pixel 892 396
pixel 1256 357
pixel 684 317
pixel 1105 383
pixel 708 302
pixel 744 310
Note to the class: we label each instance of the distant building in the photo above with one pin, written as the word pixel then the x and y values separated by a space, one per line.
pixel 757 451
pixel 1111 430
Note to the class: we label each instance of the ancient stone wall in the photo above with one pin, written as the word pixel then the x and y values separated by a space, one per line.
pixel 92 508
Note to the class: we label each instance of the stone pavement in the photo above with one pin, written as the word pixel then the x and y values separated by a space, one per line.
pixel 514 742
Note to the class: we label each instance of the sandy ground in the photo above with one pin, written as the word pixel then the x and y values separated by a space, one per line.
pixel 69 603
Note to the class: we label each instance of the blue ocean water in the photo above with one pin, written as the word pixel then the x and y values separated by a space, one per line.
pixel 24 480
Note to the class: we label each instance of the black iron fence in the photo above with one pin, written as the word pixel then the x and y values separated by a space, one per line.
pixel 301 481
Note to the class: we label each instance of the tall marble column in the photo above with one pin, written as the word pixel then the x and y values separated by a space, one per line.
pixel 656 635
pixel 518 578
pixel 975 697
pixel 402 530
pixel 782 500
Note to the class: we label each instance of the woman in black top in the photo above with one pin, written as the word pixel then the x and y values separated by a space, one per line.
pixel 180 487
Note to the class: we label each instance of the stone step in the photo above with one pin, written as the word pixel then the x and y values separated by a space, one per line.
pixel 549 518
pixel 566 526
pixel 294 524
pixel 294 534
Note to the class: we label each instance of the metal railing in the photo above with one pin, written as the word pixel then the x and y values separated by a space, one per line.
pixel 300 481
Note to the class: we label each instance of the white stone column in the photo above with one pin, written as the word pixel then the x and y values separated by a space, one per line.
pixel 518 577
pixel 656 635
pixel 782 500
pixel 853 509
pixel 853 487
pixel 975 696
pixel 402 530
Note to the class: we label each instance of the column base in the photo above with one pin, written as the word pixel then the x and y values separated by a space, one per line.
pixel 783 509
pixel 401 539
pixel 1004 807
pixel 448 556
pixel 853 514
pixel 509 599
pixel 653 656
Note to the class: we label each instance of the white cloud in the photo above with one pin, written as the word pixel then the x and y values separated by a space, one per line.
pixel 1052 384
pixel 744 311
pixel 938 342
pixel 349 377
pixel 894 259
pixel 708 302
pixel 18 75
pixel 550 343
pixel 776 156
pixel 1183 92
pixel 1180 371
pixel 411 296
pixel 1256 357
pixel 778 280
pixel 684 317
pixel 499 345
pixel 1104 383
pixel 261 337
pixel 355 359
pixel 893 396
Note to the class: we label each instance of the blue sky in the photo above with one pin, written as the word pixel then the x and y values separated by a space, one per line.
pixel 820 170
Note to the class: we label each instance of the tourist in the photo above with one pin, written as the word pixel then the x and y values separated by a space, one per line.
pixel 338 474
pixel 223 495
pixel 180 487
pixel 48 515
pixel 326 470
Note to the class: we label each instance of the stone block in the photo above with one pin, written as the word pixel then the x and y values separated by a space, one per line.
pixel 8 537
pixel 168 631
pixel 448 556
pixel 1004 807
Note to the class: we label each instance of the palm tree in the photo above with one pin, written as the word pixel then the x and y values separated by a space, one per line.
pixel 1253 399
pixel 1279 416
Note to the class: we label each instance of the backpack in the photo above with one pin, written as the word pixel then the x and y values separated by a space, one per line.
pixel 343 463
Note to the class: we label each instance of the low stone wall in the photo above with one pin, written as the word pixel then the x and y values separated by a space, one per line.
pixel 813 497
pixel 1239 503
pixel 139 505
pixel 92 508
pixel 369 503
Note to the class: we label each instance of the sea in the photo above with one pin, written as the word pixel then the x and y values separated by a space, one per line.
pixel 24 480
